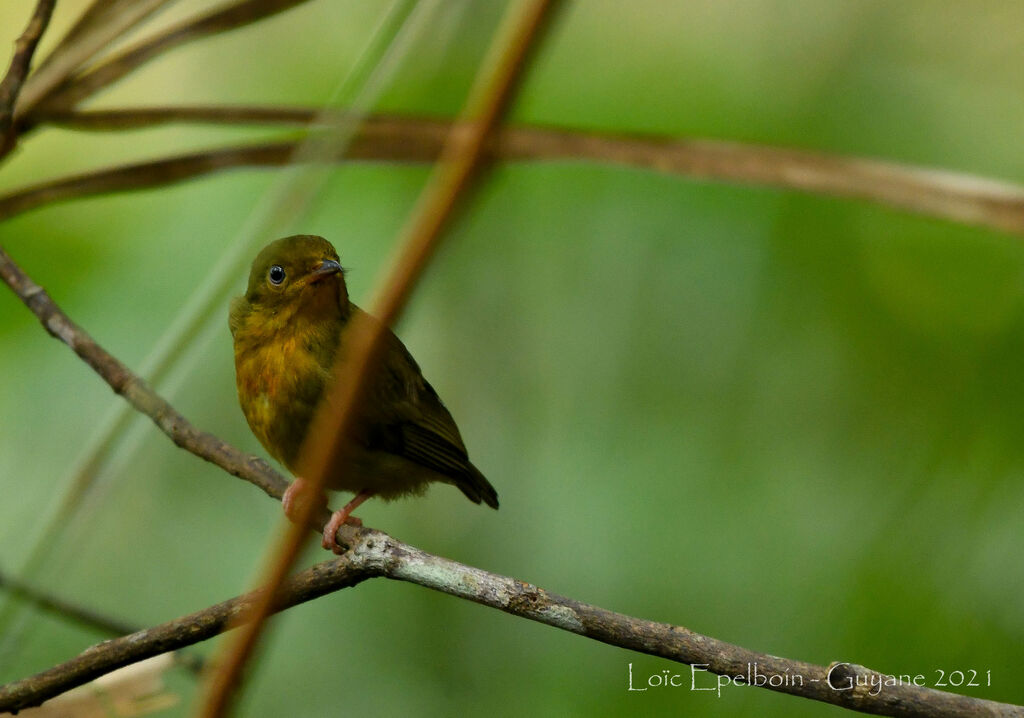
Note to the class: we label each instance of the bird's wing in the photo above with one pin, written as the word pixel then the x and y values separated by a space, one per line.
pixel 405 416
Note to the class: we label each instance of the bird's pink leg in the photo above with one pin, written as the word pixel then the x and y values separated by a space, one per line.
pixel 297 491
pixel 343 516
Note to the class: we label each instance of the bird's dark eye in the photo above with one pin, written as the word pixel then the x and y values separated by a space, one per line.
pixel 276 274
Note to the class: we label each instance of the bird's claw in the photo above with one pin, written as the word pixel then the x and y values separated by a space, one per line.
pixel 338 518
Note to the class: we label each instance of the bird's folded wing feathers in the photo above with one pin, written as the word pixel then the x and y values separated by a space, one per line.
pixel 417 425
pixel 427 448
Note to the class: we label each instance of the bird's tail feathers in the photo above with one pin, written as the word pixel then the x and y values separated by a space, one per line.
pixel 477 488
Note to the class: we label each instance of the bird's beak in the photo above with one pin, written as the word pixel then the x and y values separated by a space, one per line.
pixel 326 269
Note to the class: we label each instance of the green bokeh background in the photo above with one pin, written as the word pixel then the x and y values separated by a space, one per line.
pixel 791 422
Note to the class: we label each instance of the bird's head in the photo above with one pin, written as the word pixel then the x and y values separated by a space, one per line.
pixel 299 273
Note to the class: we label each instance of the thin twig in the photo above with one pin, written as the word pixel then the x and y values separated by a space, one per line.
pixel 375 554
pixel 143 175
pixel 96 15
pixel 76 89
pixel 83 616
pixel 953 196
pixel 115 120
pixel 325 445
pixel 110 655
pixel 89 18
pixel 24 49
pixel 66 609
pixel 106 24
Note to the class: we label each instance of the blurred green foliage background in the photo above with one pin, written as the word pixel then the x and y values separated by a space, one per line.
pixel 791 422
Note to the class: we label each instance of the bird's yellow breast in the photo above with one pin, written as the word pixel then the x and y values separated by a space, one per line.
pixel 281 369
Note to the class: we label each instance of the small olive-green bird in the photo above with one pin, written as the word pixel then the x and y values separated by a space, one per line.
pixel 287 331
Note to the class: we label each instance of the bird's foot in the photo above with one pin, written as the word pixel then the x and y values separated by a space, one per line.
pixel 296 493
pixel 343 516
